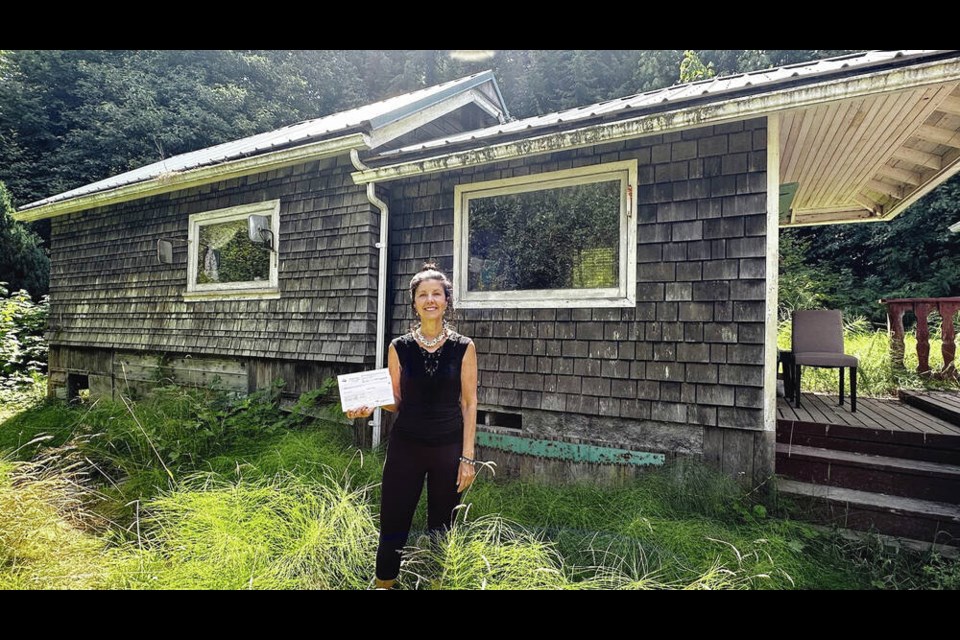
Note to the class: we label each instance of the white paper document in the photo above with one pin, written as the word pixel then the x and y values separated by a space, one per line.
pixel 365 389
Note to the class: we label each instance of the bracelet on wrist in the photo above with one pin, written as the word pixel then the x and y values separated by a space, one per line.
pixel 468 460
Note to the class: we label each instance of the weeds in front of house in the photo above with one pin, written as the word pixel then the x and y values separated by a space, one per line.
pixel 105 495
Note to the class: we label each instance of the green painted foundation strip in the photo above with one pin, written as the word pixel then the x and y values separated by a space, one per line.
pixel 567 450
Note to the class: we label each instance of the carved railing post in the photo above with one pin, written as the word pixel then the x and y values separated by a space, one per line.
pixel 921 307
pixel 895 329
pixel 949 349
pixel 922 310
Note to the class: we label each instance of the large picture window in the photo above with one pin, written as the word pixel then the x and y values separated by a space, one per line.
pixel 558 239
pixel 224 262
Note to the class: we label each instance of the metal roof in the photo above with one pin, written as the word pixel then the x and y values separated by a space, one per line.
pixel 709 90
pixel 371 117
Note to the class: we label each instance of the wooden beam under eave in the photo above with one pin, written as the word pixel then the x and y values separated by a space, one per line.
pixel 919 158
pixel 902 175
pixel 951 157
pixel 950 105
pixel 894 191
pixel 951 167
pixel 869 204
pixel 802 219
pixel 938 135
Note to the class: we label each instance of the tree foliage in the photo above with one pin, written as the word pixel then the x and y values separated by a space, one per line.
pixel 692 68
pixel 71 117
pixel 23 262
pixel 913 256
pixel 801 285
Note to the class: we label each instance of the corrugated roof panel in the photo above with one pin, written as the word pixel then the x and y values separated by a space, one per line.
pixel 677 93
pixel 374 115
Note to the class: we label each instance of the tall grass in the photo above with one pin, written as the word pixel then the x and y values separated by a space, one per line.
pixel 495 553
pixel 280 533
pixel 489 553
pixel 674 526
pixel 43 544
pixel 139 450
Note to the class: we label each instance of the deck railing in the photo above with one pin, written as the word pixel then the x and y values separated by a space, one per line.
pixel 946 308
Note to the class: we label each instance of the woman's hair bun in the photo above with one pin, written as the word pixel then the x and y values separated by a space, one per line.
pixel 430 266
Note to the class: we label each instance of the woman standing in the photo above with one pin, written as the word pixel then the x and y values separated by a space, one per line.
pixel 434 375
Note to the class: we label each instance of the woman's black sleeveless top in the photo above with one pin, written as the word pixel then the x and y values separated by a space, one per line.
pixel 429 410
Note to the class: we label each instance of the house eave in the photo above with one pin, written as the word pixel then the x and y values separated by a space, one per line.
pixel 859 216
pixel 732 109
pixel 197 177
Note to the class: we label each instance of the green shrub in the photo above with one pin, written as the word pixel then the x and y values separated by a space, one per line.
pixel 20 393
pixel 175 428
pixel 22 346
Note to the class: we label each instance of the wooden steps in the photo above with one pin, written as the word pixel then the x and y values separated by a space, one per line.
pixel 890 468
pixel 881 426
pixel 867 511
pixel 920 479
pixel 875 441
pixel 942 404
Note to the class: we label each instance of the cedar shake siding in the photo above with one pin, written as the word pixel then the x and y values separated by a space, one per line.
pixel 683 371
pixel 108 291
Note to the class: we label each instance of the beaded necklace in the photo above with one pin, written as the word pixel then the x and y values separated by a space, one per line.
pixel 431 359
pixel 435 341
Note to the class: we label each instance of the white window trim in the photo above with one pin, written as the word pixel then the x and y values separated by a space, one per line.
pixel 625 295
pixel 232 290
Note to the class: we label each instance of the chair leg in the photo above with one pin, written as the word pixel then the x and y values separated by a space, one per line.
pixel 796 383
pixel 853 389
pixel 841 386
pixel 788 380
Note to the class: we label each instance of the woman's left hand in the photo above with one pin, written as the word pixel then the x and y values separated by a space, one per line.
pixel 465 476
pixel 359 412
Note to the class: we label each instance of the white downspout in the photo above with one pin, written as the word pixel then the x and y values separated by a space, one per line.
pixel 381 282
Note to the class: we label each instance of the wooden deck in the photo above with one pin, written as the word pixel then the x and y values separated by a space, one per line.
pixel 888 414
pixel 942 404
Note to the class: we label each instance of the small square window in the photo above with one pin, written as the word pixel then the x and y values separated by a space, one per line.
pixel 557 239
pixel 223 262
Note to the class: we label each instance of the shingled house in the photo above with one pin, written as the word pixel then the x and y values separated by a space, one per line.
pixel 616 264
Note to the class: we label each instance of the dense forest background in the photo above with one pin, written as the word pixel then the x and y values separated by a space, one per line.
pixel 68 118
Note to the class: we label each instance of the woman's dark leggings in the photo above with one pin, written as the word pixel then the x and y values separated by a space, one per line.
pixel 403 472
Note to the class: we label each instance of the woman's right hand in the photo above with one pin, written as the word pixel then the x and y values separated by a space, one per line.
pixel 360 412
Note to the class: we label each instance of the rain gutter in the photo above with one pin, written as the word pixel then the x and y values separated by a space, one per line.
pixel 381 206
